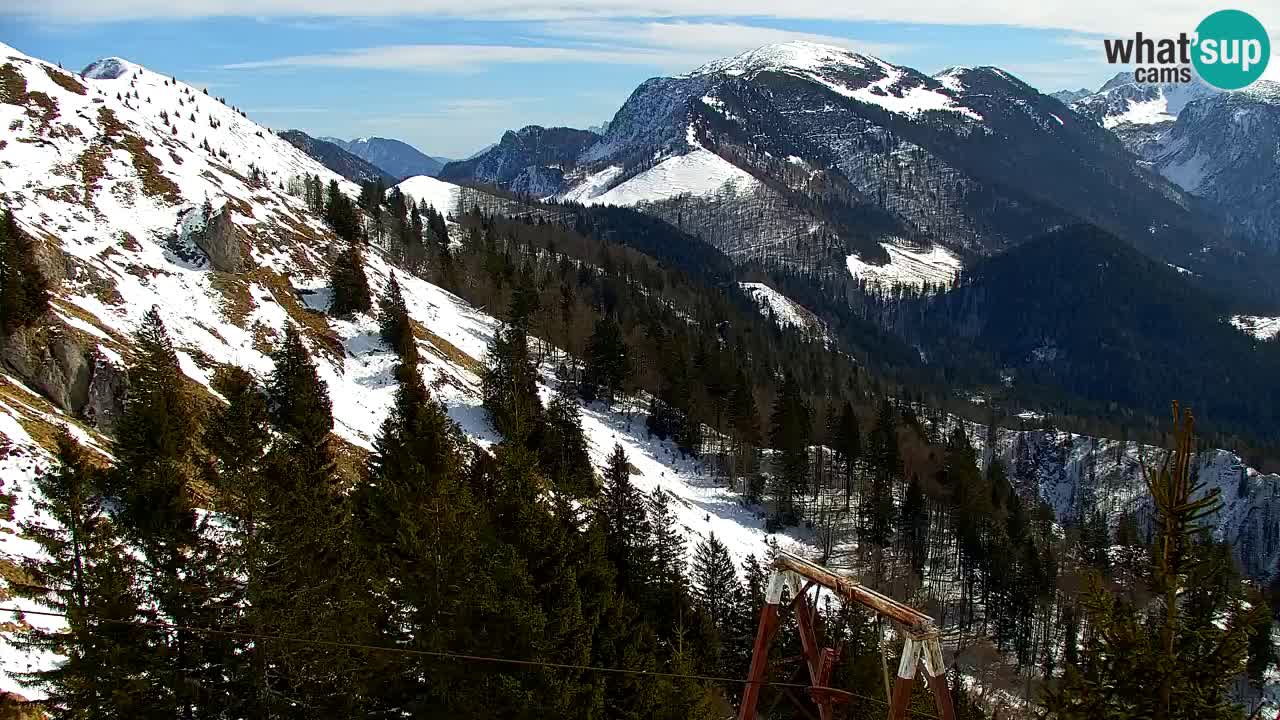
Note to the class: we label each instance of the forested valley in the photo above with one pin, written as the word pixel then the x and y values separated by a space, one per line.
pixel 237 559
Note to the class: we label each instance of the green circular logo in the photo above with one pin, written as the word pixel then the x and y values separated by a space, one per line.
pixel 1232 49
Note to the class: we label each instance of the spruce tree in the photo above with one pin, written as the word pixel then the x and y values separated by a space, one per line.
pixel 349 282
pixel 509 385
pixel 85 571
pixel 563 448
pixel 885 463
pixel 394 323
pixel 24 292
pixel 608 366
pixel 715 583
pixel 791 426
pixel 238 438
pixel 625 524
pixel 312 586
pixel 1177 657
pixel 913 526
pixel 301 409
pixel 157 461
pixel 847 439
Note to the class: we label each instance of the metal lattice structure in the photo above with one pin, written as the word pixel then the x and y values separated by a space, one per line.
pixel 922 642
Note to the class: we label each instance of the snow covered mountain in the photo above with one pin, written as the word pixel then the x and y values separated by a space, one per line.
pixel 142 191
pixel 1226 149
pixel 1122 100
pixel 396 158
pixel 810 154
pixel 1220 146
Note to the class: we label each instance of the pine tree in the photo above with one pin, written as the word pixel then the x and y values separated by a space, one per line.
pixel 24 292
pixel 791 425
pixel 349 282
pixel 157 461
pixel 715 583
pixel 1177 658
pixel 238 438
pixel 625 524
pixel 563 447
pixel 509 385
pixel 84 571
pixel 607 366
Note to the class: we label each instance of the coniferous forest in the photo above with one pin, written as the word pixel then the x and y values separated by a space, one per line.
pixel 237 559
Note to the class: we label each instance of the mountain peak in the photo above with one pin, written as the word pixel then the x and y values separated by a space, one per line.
pixel 791 55
pixel 109 68
pixel 1120 78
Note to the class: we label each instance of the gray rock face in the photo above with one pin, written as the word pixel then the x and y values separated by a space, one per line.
pixel 104 399
pixel 50 362
pixel 217 237
pixel 71 374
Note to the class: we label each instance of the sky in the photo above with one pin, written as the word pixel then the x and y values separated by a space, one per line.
pixel 451 77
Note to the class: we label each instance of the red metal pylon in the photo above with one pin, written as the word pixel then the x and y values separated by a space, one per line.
pixel 922 643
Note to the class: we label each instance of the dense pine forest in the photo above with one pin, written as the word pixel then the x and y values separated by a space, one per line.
pixel 237 559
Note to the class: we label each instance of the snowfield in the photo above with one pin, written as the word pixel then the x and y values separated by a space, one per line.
pixel 1259 326
pixel 784 311
pixel 698 173
pixel 935 266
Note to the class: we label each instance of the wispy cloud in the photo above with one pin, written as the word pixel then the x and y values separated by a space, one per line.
pixel 707 40
pixel 1089 16
pixel 677 45
pixel 457 58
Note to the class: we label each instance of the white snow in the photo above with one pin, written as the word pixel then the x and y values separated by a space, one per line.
pixel 937 265
pixel 697 173
pixel 592 185
pixel 1145 112
pixel 441 195
pixel 1259 326
pixel 784 311
pixel 912 101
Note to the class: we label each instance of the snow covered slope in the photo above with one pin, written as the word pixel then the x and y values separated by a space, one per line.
pixel 1261 327
pixel 441 195
pixel 784 311
pixel 700 173
pixel 130 214
pixel 1122 100
pixel 936 266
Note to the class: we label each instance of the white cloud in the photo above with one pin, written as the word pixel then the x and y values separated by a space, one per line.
pixel 457 57
pixel 673 45
pixel 1088 16
pixel 710 40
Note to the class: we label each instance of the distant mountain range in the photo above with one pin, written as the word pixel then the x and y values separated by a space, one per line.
pixel 350 166
pixel 1223 147
pixel 397 158
pixel 809 154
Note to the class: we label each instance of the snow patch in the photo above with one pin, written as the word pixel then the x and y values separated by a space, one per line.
pixel 935 266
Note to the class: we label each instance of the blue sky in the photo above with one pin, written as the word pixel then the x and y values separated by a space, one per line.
pixel 451 77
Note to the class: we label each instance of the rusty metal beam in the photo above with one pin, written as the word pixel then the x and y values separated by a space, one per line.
pixel 759 661
pixel 912 620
